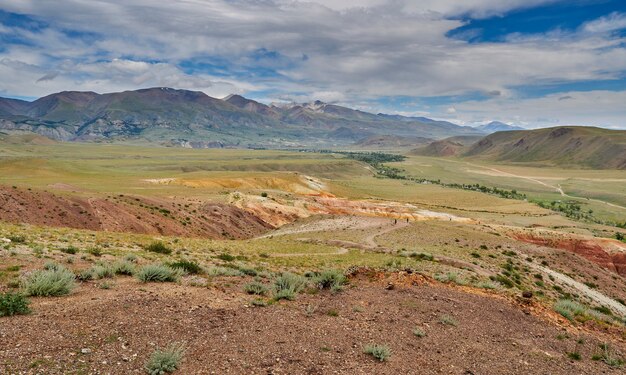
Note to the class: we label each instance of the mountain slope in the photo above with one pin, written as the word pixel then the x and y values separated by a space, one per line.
pixel 194 119
pixel 566 146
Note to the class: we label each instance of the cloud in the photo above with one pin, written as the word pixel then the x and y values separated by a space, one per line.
pixel 612 22
pixel 339 51
pixel 597 108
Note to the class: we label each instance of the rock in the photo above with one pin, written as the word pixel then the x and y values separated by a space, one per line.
pixel 527 294
pixel 85 350
pixel 390 286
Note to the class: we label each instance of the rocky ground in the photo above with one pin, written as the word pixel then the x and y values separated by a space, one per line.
pixel 95 331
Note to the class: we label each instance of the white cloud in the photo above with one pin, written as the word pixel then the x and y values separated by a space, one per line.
pixel 614 21
pixel 355 50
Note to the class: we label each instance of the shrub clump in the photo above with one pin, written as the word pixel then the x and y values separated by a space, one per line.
pixel 124 268
pixel 569 309
pixel 102 271
pixel 158 247
pixel 287 285
pixel 13 304
pixel 255 287
pixel 165 361
pixel 331 279
pixel 158 273
pixel 189 267
pixel 380 352
pixel 50 282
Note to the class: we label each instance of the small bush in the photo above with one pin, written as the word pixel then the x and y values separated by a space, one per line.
pixel 380 352
pixel 13 304
pixel 130 258
pixel 69 250
pixel 158 247
pixel 331 279
pixel 124 268
pixel 95 251
pixel 574 356
pixel 223 271
pixel 165 361
pixel 287 285
pixel 85 275
pixel 17 239
pixel 158 273
pixel 448 320
pixel 255 287
pixel 189 267
pixel 418 332
pixel 226 257
pixel 52 282
pixel 569 309
pixel 102 271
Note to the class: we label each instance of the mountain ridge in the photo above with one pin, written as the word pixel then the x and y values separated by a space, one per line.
pixel 182 117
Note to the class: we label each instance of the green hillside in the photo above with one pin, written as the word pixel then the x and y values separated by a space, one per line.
pixel 569 146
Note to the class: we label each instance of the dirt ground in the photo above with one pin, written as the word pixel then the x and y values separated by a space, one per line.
pixel 118 328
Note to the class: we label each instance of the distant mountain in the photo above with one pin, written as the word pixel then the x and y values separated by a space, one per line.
pixel 194 119
pixel 570 146
pixel 497 126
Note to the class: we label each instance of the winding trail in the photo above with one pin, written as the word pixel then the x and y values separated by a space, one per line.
pixel 584 289
pixel 556 188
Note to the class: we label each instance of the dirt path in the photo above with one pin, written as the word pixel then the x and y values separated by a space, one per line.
pixel 341 251
pixel 584 289
pixel 369 240
pixel 556 188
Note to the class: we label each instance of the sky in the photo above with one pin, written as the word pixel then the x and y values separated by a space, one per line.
pixel 533 63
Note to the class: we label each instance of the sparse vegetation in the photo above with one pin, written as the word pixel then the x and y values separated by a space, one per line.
pixel 380 352
pixel 330 279
pixel 158 273
pixel 13 304
pixel 448 320
pixel 287 285
pixel 188 266
pixel 255 287
pixel 159 248
pixel 50 282
pixel 165 361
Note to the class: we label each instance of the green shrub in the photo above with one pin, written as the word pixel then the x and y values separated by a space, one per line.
pixel 569 309
pixel 17 239
pixel 331 279
pixel 102 271
pixel 380 352
pixel 189 267
pixel 85 275
pixel 69 250
pixel 226 257
pixel 287 285
pixel 51 282
pixel 130 258
pixel 158 247
pixel 158 273
pixel 448 320
pixel 418 332
pixel 165 361
pixel 95 251
pixel 124 268
pixel 223 271
pixel 255 287
pixel 13 304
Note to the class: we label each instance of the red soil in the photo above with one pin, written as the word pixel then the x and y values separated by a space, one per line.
pixel 128 214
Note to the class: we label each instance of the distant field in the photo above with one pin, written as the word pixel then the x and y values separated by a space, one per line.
pixel 537 182
pixel 125 169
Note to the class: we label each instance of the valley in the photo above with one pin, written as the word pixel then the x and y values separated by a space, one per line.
pixel 418 257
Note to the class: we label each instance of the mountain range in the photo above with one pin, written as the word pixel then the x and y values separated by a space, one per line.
pixel 194 119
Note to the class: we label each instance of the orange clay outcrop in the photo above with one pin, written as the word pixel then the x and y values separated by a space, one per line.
pixel 608 253
pixel 279 211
